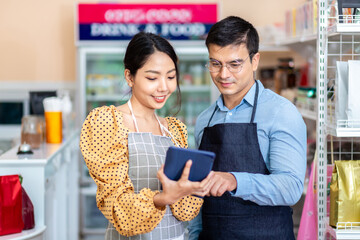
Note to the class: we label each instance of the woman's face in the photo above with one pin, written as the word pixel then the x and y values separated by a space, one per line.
pixel 153 84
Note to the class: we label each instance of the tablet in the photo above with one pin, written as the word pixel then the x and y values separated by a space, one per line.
pixel 176 159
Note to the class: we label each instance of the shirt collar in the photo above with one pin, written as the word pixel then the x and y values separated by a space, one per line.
pixel 249 97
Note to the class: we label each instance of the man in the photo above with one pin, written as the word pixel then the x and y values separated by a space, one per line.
pixel 259 139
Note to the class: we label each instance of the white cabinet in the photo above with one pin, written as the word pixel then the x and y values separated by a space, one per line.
pixel 51 179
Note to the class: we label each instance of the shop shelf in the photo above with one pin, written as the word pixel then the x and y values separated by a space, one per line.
pixel 94 231
pixel 349 24
pixel 307 108
pixel 105 97
pixel 92 220
pixel 195 88
pixel 89 191
pixel 344 128
pixel 272 47
pixel 344 230
pixel 35 233
pixel 282 43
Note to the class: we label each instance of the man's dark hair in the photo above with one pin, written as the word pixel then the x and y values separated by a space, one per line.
pixel 234 31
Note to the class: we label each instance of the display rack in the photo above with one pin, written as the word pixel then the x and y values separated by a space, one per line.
pixel 344 230
pixel 321 141
pixel 307 109
pixel 337 41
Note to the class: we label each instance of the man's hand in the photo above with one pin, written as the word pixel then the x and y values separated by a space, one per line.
pixel 222 182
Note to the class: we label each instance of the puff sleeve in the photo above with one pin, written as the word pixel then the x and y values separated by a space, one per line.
pixel 103 143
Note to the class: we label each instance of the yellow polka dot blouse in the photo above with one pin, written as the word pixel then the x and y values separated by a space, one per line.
pixel 103 143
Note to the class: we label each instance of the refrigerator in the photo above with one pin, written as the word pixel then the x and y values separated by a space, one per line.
pixel 100 81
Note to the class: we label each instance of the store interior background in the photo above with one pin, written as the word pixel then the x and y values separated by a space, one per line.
pixel 38 51
pixel 37 41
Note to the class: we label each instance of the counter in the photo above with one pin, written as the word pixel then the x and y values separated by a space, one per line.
pixel 51 179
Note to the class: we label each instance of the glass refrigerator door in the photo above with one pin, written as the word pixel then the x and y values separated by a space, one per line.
pixel 196 89
pixel 101 82
pixel 101 78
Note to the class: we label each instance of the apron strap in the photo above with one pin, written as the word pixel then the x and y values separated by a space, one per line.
pixel 255 102
pixel 216 108
pixel 133 116
pixel 162 128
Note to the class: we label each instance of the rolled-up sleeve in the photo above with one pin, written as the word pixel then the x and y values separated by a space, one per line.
pixel 287 163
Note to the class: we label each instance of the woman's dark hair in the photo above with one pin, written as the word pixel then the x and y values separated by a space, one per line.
pixel 234 31
pixel 141 47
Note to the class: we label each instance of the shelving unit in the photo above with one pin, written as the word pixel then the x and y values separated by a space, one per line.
pixel 92 223
pixel 308 109
pixel 349 231
pixel 103 98
pixel 339 42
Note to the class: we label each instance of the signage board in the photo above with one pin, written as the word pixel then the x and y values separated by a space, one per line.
pixel 104 22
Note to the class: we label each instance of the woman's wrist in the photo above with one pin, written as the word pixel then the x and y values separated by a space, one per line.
pixel 161 200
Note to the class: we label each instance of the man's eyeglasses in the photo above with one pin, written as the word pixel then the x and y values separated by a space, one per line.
pixel 234 66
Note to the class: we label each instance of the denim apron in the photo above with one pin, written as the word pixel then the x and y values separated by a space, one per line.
pixel 146 155
pixel 227 217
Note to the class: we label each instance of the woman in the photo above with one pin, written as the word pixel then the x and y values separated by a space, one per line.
pixel 124 147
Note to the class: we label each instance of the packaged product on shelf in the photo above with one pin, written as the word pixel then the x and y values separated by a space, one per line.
pixel 196 71
pixel 347 15
pixel 314 15
pixel 344 192
pixel 182 72
pixel 341 90
pixel 288 23
pixel 332 13
pixel 207 78
pixel 308 8
pixel 187 79
pixel 107 84
pixel 10 205
pixel 300 21
pixel 357 16
pixel 306 98
pixel 90 84
pixel 353 110
pixel 189 111
pixel 293 20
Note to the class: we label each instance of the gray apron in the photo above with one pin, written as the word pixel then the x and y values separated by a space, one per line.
pixel 146 155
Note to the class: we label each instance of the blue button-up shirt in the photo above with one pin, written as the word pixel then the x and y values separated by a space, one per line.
pixel 282 138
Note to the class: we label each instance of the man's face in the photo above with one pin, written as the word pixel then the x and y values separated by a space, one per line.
pixel 233 85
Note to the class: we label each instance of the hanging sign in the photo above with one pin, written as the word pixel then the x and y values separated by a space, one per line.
pixel 122 21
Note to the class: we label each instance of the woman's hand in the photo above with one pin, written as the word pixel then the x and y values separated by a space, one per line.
pixel 175 190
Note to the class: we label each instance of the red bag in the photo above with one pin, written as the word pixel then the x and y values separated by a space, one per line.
pixel 27 211
pixel 10 205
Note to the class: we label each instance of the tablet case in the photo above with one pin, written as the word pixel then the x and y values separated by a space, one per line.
pixel 176 159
